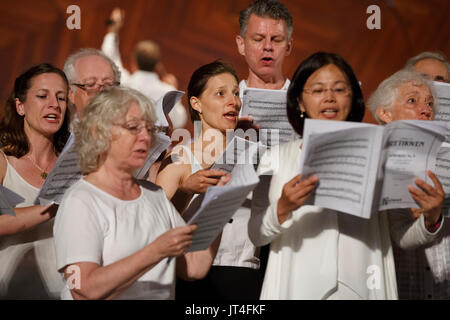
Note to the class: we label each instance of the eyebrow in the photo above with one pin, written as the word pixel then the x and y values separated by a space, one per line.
pixel 47 90
pixel 336 82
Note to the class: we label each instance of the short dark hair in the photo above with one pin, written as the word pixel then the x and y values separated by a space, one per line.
pixel 199 79
pixel 147 55
pixel 301 75
pixel 266 8
pixel 13 138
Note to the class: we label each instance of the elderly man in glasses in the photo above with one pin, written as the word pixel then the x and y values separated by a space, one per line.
pixel 89 72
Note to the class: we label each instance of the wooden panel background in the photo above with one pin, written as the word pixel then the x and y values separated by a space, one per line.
pixel 195 32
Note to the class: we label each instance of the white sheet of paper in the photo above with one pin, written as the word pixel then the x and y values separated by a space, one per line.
pixel 443 174
pixel 344 156
pixel 8 200
pixel 357 174
pixel 239 151
pixel 268 109
pixel 410 150
pixel 220 203
pixel 64 174
pixel 164 105
pixel 161 143
pixel 443 101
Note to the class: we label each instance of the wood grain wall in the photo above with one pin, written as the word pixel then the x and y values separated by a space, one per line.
pixel 195 32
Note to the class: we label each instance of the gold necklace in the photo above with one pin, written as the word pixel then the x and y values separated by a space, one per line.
pixel 44 173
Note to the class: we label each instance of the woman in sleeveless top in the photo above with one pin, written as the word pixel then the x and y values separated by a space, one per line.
pixel 213 98
pixel 33 132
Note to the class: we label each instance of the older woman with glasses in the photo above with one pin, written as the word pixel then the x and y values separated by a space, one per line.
pixel 422 273
pixel 117 238
pixel 317 253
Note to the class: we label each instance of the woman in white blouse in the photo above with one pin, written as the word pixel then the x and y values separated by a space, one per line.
pixel 318 253
pixel 33 132
pixel 116 238
pixel 213 99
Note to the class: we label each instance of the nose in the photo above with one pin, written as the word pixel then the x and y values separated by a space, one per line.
pixel 268 44
pixel 329 95
pixel 426 112
pixel 234 101
pixel 144 134
pixel 101 87
pixel 54 101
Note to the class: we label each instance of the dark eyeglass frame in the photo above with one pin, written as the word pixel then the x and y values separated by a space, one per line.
pixel 96 87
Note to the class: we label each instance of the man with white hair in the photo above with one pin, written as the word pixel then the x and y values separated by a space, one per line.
pixel 432 65
pixel 89 72
pixel 423 272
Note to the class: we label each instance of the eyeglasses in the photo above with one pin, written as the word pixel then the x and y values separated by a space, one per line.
pixel 135 127
pixel 95 87
pixel 320 92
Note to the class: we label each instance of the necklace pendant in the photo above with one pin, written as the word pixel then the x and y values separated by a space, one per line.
pixel 44 175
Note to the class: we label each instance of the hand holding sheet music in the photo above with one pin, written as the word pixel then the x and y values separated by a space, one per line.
pixel 219 204
pixel 363 167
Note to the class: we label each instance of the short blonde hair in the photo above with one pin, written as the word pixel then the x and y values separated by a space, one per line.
pixel 93 130
pixel 387 91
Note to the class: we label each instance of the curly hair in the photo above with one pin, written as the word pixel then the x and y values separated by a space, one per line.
pixel 93 130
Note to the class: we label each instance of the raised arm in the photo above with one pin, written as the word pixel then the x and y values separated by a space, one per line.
pixel 110 44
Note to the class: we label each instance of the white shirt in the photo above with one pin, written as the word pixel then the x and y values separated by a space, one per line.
pixel 323 254
pixel 236 249
pixel 93 226
pixel 14 247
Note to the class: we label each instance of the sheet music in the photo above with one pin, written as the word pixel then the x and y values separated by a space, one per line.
pixel 365 167
pixel 64 174
pixel 268 109
pixel 443 100
pixel 8 200
pixel 239 151
pixel 164 105
pixel 345 161
pixel 410 150
pixel 220 203
pixel 443 174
